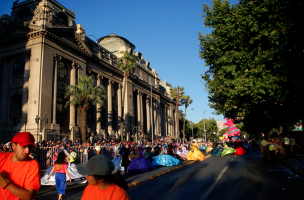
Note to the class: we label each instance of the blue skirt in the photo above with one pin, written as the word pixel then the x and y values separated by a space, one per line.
pixel 165 160
pixel 60 179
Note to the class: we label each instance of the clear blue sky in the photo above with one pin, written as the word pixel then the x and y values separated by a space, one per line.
pixel 164 31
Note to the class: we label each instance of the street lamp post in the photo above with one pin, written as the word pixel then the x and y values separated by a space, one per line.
pixel 204 125
pixel 40 119
pixel 152 115
pixel 192 123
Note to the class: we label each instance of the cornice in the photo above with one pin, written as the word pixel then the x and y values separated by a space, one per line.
pixel 68 43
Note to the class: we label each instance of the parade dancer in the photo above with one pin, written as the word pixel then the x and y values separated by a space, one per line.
pixel 195 154
pixel 60 167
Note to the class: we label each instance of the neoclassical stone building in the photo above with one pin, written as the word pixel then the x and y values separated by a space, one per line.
pixel 42 51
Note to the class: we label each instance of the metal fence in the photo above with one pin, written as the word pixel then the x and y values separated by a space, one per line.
pixel 47 155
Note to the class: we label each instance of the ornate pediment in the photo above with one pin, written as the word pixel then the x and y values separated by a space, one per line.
pixel 69 37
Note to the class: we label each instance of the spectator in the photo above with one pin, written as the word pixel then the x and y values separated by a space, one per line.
pixel 20 180
pixel 103 179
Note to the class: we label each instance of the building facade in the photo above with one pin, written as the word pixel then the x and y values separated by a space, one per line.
pixel 42 51
pixel 220 125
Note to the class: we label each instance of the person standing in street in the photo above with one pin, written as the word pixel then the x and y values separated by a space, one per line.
pixel 61 169
pixel 19 174
pixel 264 145
pixel 287 145
pixel 125 152
pixel 272 151
pixel 73 156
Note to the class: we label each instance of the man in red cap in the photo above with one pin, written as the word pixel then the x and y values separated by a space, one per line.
pixel 19 174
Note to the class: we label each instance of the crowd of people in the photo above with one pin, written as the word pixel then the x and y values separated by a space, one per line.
pixel 98 162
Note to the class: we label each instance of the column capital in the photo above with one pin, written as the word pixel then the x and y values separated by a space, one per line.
pixel 110 81
pixel 89 70
pixel 119 85
pixel 75 65
pixel 57 57
pixel 99 76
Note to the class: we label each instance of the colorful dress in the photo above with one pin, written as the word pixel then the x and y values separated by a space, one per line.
pixel 216 151
pixel 140 164
pixel 195 154
pixel 209 149
pixel 165 160
pixel 240 151
pixel 227 150
pixel 117 162
pixel 75 176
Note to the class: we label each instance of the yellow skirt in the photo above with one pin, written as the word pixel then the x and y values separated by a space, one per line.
pixel 209 149
pixel 195 155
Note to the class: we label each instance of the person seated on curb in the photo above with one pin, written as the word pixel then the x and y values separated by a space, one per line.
pixel 105 182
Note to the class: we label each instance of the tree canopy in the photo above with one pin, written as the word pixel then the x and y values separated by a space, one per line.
pixel 255 61
pixel 127 63
pixel 84 94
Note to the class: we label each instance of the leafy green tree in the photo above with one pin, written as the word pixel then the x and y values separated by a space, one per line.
pixel 84 94
pixel 211 128
pixel 177 93
pixel 127 63
pixel 256 61
pixel 222 131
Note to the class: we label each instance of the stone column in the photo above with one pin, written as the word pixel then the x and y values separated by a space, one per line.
pixel 158 116
pixel 110 112
pixel 119 107
pixel 166 120
pixel 57 58
pixel 25 88
pixel 148 115
pixel 98 110
pixel 72 107
pixel 139 100
pixel 155 119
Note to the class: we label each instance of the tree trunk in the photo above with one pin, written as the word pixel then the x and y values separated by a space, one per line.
pixel 122 104
pixel 83 127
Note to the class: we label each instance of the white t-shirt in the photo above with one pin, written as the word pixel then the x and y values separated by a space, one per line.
pixel 85 151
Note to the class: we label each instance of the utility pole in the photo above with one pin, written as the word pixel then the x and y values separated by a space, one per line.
pixel 192 123
pixel 204 125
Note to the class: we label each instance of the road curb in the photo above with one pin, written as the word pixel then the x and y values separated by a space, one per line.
pixel 165 172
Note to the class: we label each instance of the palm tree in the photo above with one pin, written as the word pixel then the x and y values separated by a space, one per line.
pixel 126 63
pixel 84 94
pixel 177 94
pixel 185 101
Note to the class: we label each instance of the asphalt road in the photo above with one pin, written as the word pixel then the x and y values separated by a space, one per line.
pixel 232 177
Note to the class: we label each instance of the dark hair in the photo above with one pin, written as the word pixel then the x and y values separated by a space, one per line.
pixel 61 158
pixel 113 178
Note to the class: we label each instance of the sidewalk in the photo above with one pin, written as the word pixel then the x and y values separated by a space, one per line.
pixel 296 165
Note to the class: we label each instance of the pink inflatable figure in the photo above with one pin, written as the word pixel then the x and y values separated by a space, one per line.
pixel 232 131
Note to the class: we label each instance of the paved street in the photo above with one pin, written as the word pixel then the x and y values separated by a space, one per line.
pixel 231 177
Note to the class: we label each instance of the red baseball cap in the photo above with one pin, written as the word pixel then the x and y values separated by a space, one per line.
pixel 24 139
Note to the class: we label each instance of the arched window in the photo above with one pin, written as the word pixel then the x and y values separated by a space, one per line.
pixel 18 69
